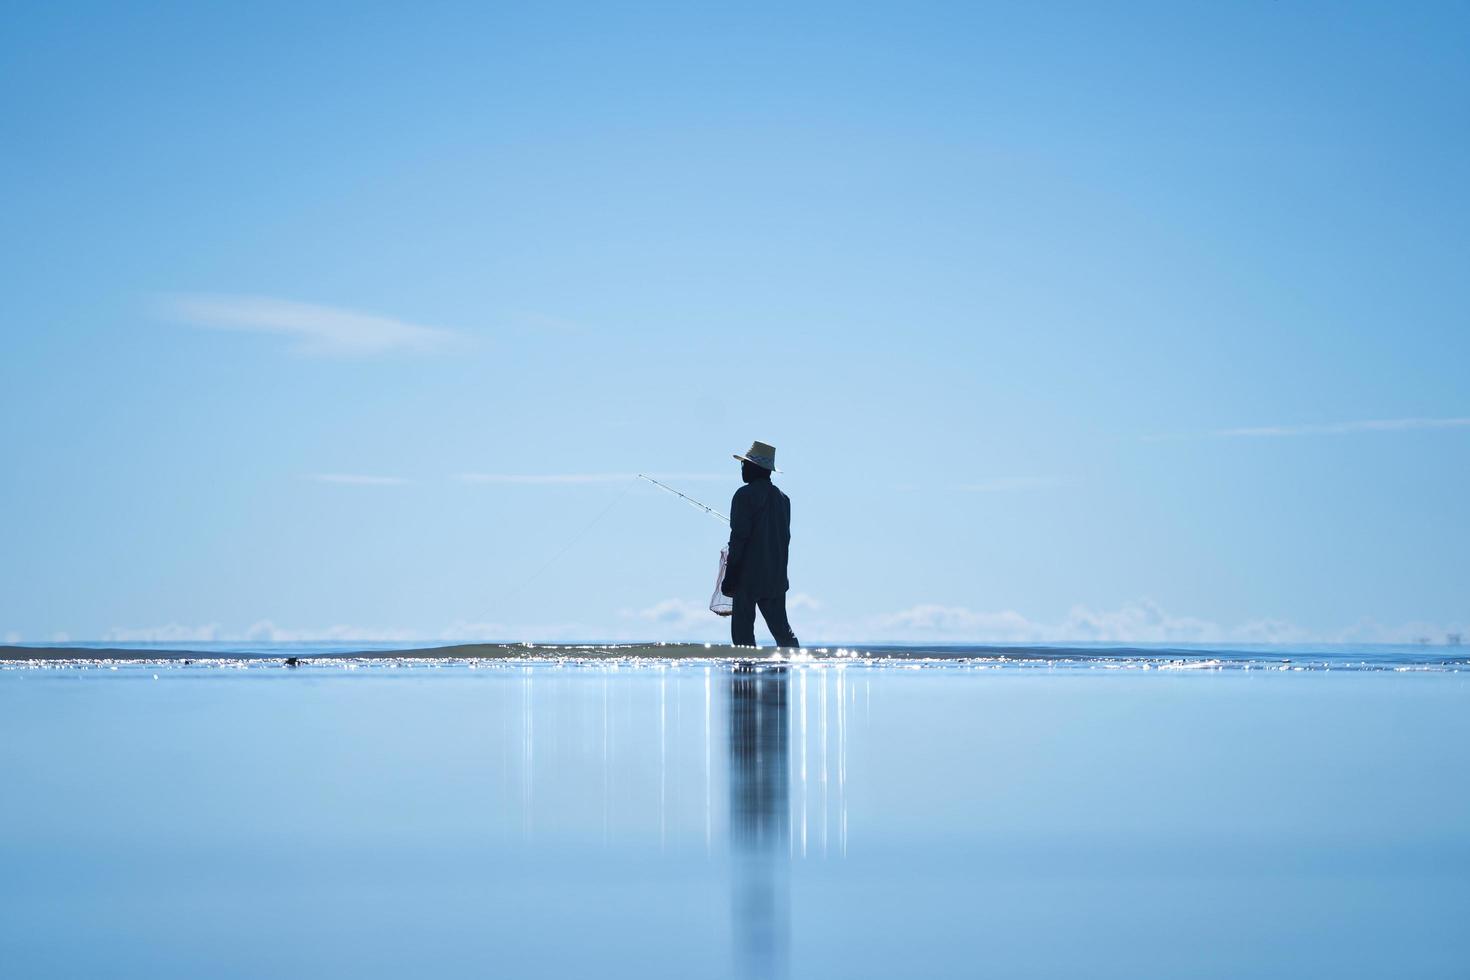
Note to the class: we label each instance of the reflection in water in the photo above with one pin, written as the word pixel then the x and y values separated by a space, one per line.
pixel 621 755
pixel 760 816
pixel 822 697
pixel 631 758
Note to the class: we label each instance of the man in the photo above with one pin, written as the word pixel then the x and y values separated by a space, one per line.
pixel 760 536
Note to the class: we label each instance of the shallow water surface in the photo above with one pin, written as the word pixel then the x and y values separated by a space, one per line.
pixel 688 818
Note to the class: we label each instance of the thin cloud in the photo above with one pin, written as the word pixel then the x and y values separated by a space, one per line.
pixel 358 479
pixel 266 631
pixel 1135 622
pixel 1344 428
pixel 575 478
pixel 312 328
pixel 262 631
pixel 679 614
pixel 544 478
pixel 998 484
pixel 1321 429
pixel 1012 484
pixel 168 633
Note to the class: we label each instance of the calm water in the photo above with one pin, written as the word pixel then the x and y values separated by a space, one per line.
pixel 846 818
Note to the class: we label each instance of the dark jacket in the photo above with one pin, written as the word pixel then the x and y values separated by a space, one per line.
pixel 760 538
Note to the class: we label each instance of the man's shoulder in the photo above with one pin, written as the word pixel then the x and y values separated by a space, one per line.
pixel 741 499
pixel 756 487
pixel 757 493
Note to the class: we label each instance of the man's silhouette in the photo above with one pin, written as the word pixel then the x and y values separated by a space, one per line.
pixel 760 536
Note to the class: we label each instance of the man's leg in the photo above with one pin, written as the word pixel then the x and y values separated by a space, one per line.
pixel 742 621
pixel 773 611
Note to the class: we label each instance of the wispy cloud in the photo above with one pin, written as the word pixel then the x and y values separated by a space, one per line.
pixel 1345 428
pixel 266 631
pixel 522 479
pixel 995 484
pixel 358 479
pixel 1320 429
pixel 1012 484
pixel 263 631
pixel 798 601
pixel 684 617
pixel 312 327
pixel 538 478
pixel 565 478
pixel 167 633
pixel 1135 622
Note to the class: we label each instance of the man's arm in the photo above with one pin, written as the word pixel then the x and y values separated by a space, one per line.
pixel 740 526
pixel 788 523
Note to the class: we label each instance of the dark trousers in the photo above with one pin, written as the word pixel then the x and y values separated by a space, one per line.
pixel 773 611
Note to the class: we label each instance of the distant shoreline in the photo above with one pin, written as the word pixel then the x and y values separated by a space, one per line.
pixel 462 651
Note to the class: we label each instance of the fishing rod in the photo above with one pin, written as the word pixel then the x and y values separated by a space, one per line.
pixel 708 510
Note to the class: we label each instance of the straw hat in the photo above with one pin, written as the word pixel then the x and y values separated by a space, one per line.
pixel 761 455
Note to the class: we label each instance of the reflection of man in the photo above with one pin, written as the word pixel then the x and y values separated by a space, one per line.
pixel 760 537
pixel 759 821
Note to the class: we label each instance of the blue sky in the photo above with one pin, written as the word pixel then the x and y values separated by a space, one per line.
pixel 1068 321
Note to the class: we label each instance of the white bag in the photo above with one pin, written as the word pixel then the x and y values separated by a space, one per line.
pixel 719 603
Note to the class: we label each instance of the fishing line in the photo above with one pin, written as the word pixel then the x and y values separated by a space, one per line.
pixel 708 510
pixel 526 582
pixel 567 547
pixel 719 603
